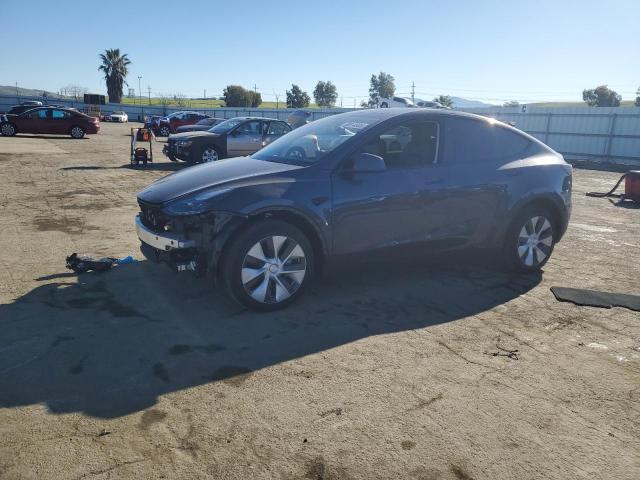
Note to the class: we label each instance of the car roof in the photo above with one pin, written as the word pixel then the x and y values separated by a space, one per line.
pixel 380 114
pixel 253 118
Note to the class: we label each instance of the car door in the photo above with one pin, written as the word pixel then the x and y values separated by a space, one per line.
pixel 274 130
pixel 245 139
pixel 38 121
pixel 59 122
pixel 474 189
pixel 389 207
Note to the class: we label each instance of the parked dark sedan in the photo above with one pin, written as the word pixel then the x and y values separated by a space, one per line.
pixel 49 120
pixel 201 126
pixel 165 126
pixel 357 182
pixel 232 138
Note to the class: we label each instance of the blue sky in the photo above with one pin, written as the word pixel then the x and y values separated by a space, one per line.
pixel 488 50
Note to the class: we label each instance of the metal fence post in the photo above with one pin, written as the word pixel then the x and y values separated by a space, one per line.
pixel 547 129
pixel 612 131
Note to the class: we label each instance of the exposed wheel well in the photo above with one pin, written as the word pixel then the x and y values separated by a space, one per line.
pixel 294 219
pixel 551 207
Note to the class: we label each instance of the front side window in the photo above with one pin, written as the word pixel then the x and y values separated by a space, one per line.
pixel 409 145
pixel 44 114
pixel 250 128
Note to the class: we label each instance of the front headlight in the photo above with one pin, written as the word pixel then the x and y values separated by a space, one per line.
pixel 185 143
pixel 194 204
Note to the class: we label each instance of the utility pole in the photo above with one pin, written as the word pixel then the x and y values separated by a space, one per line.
pixel 205 93
pixel 340 102
pixel 255 88
pixel 277 99
pixel 413 92
pixel 139 90
pixel 17 92
pixel 149 90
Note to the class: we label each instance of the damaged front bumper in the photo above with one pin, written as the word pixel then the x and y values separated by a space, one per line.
pixel 189 244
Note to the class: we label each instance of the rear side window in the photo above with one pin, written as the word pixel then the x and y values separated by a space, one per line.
pixel 476 141
pixel 59 114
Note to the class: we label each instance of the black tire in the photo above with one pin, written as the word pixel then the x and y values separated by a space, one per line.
pixel 236 254
pixel 76 132
pixel 164 131
pixel 8 129
pixel 523 253
pixel 384 105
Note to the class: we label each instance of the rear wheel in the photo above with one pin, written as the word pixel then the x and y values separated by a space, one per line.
pixel 530 240
pixel 165 131
pixel 8 129
pixel 77 132
pixel 268 265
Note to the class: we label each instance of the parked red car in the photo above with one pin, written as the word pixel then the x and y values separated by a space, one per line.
pixel 62 121
pixel 164 126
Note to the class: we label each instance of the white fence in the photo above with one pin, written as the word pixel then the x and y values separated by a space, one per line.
pixel 610 134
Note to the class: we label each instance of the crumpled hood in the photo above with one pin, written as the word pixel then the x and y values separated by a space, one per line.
pixel 228 173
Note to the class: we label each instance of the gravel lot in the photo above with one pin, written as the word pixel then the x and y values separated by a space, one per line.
pixel 385 370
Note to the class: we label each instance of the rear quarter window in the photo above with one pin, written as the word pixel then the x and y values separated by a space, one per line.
pixel 477 141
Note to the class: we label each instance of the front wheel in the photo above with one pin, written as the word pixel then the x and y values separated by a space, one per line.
pixel 165 131
pixel 77 132
pixel 268 265
pixel 530 240
pixel 209 154
pixel 8 129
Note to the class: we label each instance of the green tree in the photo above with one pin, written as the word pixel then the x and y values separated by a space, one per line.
pixel 381 86
pixel 237 96
pixel 444 100
pixel 296 98
pixel 115 69
pixel 637 102
pixel 601 96
pixel 325 94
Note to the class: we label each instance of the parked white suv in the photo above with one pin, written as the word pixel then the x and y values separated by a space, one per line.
pixel 395 102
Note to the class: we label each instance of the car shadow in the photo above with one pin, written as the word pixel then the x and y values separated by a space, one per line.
pixel 53 137
pixel 153 167
pixel 111 343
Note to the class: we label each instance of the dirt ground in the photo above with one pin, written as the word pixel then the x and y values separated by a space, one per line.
pixel 389 370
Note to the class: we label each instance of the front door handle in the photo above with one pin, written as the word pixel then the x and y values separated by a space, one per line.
pixel 434 181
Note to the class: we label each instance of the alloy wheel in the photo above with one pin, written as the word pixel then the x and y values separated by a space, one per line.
pixel 77 132
pixel 209 155
pixel 8 130
pixel 535 241
pixel 273 269
pixel 165 132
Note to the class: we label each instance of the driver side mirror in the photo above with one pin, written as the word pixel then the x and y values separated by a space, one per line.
pixel 366 162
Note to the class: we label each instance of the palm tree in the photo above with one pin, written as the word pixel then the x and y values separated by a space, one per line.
pixel 115 70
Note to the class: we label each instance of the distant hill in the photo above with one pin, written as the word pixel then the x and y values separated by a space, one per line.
pixel 459 102
pixel 26 92
pixel 464 103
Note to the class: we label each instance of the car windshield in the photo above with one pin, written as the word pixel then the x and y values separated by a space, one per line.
pixel 310 143
pixel 227 125
pixel 118 113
